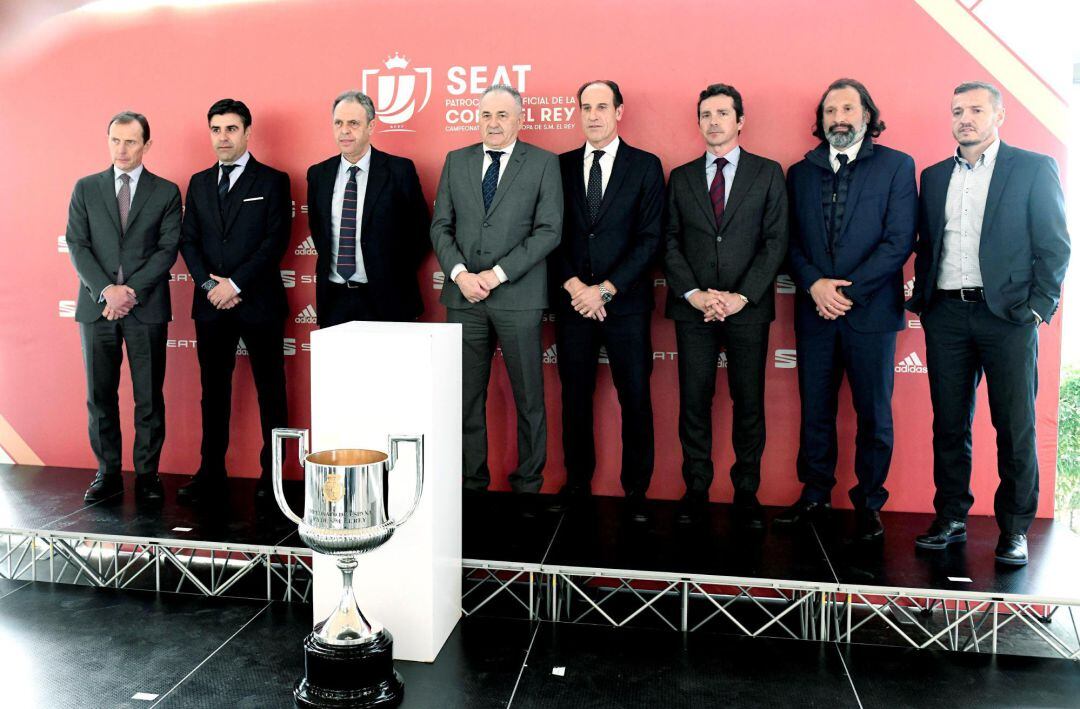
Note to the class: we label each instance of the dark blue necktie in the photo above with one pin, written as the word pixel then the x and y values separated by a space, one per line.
pixel 491 178
pixel 223 185
pixel 346 255
pixel 594 192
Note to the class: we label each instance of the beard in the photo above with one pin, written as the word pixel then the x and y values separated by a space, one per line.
pixel 842 140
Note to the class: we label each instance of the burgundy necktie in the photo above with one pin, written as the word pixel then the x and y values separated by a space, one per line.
pixel 716 190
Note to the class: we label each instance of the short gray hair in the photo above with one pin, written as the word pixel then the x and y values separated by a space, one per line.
pixel 995 94
pixel 354 96
pixel 506 89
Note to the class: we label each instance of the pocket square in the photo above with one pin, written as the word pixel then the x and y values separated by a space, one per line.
pixel 253 199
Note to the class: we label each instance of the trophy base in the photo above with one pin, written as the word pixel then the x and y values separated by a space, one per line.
pixel 356 676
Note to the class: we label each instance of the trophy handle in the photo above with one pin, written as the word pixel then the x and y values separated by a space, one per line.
pixel 280 434
pixel 418 442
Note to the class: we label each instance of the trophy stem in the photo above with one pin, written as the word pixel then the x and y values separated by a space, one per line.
pixel 347 624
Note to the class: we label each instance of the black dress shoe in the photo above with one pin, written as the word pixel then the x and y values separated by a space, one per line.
pixel 942 533
pixel 202 487
pixel 748 513
pixel 148 488
pixel 868 526
pixel 692 507
pixel 636 508
pixel 104 486
pixel 569 496
pixel 1011 549
pixel 803 512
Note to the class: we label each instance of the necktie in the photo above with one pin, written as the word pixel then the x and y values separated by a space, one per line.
pixel 716 190
pixel 491 178
pixel 223 186
pixel 594 191
pixel 833 227
pixel 123 202
pixel 346 256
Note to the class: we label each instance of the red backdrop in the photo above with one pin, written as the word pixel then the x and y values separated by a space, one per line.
pixel 287 60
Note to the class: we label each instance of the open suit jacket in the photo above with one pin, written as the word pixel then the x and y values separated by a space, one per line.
pixel 147 250
pixel 393 231
pixel 744 255
pixel 1024 246
pixel 522 227
pixel 621 245
pixel 246 245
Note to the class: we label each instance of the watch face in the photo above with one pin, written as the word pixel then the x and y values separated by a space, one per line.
pixel 605 296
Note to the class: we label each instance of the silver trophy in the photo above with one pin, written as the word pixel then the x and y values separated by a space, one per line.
pixel 348 658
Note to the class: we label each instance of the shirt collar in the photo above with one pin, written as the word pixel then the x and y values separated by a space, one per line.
pixel 364 162
pixel 852 151
pixel 732 157
pixel 507 151
pixel 609 150
pixel 240 162
pixel 135 174
pixel 988 158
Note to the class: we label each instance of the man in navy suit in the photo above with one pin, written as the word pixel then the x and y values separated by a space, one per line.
pixel 992 253
pixel 235 232
pixel 854 208
pixel 602 293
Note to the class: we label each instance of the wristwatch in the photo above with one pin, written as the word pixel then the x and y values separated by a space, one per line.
pixel 605 294
pixel 208 285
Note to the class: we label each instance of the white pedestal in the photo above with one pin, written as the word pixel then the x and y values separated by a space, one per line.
pixel 369 380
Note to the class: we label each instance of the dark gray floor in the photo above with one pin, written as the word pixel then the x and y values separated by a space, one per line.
pixel 66 646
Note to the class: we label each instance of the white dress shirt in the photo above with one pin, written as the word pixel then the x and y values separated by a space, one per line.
pixel 503 162
pixel 851 151
pixel 133 174
pixel 240 162
pixel 337 203
pixel 732 157
pixel 965 203
pixel 607 161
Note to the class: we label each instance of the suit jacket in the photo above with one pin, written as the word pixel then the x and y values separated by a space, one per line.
pixel 874 240
pixel 147 250
pixel 246 245
pixel 522 227
pixel 744 255
pixel 1024 245
pixel 621 245
pixel 393 231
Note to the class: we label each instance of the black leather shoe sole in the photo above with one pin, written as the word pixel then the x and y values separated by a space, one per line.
pixel 1009 561
pixel 103 492
pixel 938 545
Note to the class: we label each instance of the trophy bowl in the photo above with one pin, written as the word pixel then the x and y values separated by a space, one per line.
pixel 348 658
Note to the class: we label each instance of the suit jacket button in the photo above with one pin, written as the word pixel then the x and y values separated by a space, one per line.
pixel 719 239
pixel 486 224
pixel 592 236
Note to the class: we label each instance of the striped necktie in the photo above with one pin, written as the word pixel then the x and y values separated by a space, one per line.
pixel 346 258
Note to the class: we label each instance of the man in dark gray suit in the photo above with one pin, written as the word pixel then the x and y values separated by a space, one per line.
pixel 123 233
pixel 992 253
pixel 498 213
pixel 727 234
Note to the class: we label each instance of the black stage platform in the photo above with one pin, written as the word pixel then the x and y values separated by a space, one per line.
pixel 69 647
pixel 590 564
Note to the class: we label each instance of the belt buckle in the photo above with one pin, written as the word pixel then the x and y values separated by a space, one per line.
pixel 963 296
pixel 352 284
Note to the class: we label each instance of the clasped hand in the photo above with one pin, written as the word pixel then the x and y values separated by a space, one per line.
pixel 829 299
pixel 223 296
pixel 477 286
pixel 119 300
pixel 585 299
pixel 717 305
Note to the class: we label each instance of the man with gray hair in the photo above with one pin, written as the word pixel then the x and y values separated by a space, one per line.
pixel 991 257
pixel 369 221
pixel 498 214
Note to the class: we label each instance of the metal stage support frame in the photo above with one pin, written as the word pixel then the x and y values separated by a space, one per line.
pixel 919 618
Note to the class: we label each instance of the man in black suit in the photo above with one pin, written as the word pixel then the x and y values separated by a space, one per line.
pixel 853 215
pixel 726 233
pixel 236 230
pixel 123 231
pixel 613 195
pixel 992 253
pixel 370 222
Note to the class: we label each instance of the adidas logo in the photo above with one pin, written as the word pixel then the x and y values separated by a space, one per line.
pixel 307 315
pixel 306 247
pixel 721 361
pixel 61 244
pixel 911 365
pixel 551 355
pixel 241 348
pixel 909 287
pixel 67 308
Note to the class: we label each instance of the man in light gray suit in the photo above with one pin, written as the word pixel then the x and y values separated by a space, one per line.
pixel 123 233
pixel 498 213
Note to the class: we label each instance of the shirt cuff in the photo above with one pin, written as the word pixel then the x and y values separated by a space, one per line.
pixel 235 287
pixel 1038 318
pixel 456 271
pixel 101 295
pixel 501 274
pixel 687 294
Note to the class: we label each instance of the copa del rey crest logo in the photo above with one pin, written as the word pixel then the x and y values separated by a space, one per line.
pixel 396 91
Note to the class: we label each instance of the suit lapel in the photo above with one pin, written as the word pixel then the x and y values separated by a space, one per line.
pixel 517 159
pixel 474 163
pixel 240 190
pixel 618 174
pixel 375 182
pixel 326 197
pixel 700 189
pixel 143 190
pixel 579 187
pixel 745 174
pixel 1002 168
pixel 108 196
pixel 939 190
